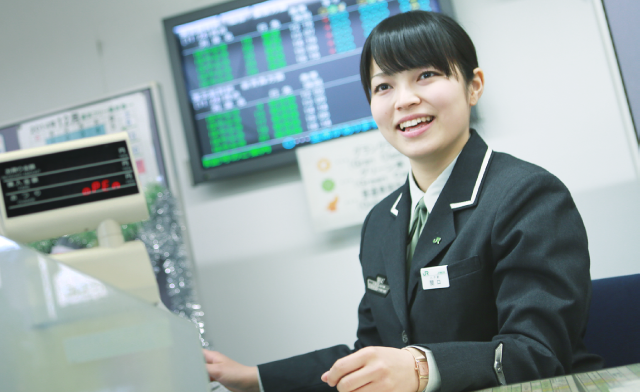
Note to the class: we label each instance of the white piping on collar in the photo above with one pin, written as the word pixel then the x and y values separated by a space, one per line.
pixel 483 168
pixel 394 210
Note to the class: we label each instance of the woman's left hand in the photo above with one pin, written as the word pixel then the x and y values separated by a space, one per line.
pixel 371 369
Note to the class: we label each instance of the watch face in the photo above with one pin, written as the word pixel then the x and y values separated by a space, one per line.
pixel 423 368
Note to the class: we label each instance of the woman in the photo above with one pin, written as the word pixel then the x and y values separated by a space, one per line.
pixel 476 270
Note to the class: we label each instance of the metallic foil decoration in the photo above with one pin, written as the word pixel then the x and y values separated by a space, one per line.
pixel 163 235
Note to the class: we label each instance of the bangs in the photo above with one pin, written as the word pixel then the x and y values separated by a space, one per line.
pixel 414 40
pixel 396 51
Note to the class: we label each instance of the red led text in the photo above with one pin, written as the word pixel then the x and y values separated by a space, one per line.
pixel 103 186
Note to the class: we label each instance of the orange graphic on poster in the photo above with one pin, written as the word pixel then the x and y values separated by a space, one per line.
pixel 324 165
pixel 333 205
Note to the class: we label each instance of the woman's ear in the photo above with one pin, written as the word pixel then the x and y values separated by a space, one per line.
pixel 476 86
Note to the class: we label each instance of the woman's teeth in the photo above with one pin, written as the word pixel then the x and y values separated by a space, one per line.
pixel 414 122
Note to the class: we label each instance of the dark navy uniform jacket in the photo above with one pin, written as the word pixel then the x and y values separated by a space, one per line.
pixel 516 252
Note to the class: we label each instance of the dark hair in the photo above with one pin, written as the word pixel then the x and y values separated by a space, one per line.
pixel 417 39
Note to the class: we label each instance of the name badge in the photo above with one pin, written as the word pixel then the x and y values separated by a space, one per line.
pixel 434 277
pixel 378 286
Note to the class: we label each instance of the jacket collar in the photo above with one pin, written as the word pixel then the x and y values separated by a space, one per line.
pixel 394 249
pixel 461 191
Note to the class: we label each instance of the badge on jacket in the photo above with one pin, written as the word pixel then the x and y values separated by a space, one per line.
pixel 434 277
pixel 378 286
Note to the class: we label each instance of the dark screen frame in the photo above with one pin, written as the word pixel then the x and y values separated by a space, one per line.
pixel 68 160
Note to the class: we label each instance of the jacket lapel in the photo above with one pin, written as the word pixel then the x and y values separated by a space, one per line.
pixel 461 191
pixel 394 252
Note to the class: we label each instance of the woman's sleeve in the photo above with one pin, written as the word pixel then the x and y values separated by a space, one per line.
pixel 302 372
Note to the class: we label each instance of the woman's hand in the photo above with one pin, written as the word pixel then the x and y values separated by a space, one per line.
pixel 374 369
pixel 235 376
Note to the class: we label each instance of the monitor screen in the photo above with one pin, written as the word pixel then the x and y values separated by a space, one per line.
pixel 255 80
pixel 67 178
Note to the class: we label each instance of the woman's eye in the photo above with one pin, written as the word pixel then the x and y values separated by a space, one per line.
pixel 427 74
pixel 381 87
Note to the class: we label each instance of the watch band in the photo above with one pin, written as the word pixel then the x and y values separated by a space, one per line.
pixel 422 367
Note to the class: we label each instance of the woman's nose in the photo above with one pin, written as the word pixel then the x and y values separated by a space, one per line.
pixel 406 98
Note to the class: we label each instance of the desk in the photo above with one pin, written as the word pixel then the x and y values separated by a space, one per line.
pixel 619 379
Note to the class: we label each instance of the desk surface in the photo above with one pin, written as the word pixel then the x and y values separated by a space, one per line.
pixel 619 379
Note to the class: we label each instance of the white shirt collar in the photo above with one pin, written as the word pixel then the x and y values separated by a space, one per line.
pixel 432 193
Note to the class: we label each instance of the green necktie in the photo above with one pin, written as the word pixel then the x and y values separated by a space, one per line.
pixel 419 219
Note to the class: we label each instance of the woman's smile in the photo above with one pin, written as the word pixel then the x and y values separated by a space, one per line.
pixel 412 126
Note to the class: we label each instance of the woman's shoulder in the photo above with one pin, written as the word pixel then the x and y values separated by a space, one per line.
pixel 511 168
pixel 507 172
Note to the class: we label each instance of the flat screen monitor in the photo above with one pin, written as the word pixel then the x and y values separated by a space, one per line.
pixel 255 80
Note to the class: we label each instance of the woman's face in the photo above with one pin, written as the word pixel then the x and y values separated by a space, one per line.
pixel 423 113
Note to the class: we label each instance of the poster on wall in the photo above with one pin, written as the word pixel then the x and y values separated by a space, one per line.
pixel 345 178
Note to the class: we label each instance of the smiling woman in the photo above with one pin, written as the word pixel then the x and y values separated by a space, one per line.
pixel 421 99
pixel 483 257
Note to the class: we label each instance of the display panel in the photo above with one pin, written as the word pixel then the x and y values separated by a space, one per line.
pixel 68 178
pixel 257 79
pixel 132 112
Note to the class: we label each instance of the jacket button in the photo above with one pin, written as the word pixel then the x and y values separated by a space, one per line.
pixel 405 338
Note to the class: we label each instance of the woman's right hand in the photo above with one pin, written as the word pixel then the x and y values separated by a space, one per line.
pixel 235 376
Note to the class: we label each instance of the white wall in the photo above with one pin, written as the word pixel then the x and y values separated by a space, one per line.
pixel 270 286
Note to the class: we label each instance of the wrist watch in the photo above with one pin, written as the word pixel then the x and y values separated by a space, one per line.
pixel 422 367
